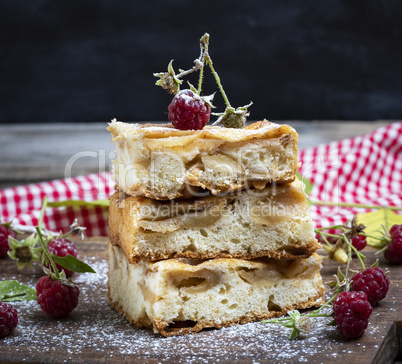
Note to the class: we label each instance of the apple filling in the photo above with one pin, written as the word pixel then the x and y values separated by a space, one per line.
pixel 278 207
pixel 196 220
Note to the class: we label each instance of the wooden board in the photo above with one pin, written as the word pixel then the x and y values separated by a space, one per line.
pixel 95 333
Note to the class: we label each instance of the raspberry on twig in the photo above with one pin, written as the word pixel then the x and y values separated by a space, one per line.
pixel 63 247
pixel 56 298
pixel 359 242
pixel 373 282
pixel 5 232
pixel 394 251
pixel 189 111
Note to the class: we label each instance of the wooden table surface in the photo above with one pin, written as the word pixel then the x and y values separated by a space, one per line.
pixel 94 333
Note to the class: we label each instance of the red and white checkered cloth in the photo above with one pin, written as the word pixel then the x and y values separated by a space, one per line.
pixel 366 170
pixel 362 170
pixel 22 204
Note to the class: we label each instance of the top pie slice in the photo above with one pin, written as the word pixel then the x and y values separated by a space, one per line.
pixel 164 163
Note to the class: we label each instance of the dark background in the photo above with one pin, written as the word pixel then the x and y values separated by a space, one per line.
pixel 94 60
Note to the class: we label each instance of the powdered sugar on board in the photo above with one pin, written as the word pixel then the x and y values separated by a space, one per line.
pixel 94 332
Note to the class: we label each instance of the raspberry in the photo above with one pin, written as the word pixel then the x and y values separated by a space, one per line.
pixel 352 311
pixel 373 282
pixel 55 298
pixel 4 233
pixel 61 248
pixel 7 231
pixel 4 248
pixel 8 319
pixel 394 252
pixel 188 111
pixel 359 242
pixel 395 230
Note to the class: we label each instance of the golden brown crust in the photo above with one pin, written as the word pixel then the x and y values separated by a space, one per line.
pixel 259 129
pixel 193 179
pixel 193 186
pixel 144 192
pixel 287 253
pixel 163 327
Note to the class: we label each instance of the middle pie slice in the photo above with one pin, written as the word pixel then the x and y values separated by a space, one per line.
pixel 273 222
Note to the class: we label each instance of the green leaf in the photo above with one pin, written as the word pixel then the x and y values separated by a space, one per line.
pixel 294 314
pixel 332 323
pixel 192 88
pixel 16 291
pixel 68 203
pixel 374 220
pixel 245 107
pixel 71 263
pixel 6 224
pixel 290 324
pixel 309 185
pixel 159 82
pixel 13 243
pixel 170 68
pixel 341 276
pixel 295 333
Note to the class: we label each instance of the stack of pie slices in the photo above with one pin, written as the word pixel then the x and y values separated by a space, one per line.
pixel 209 228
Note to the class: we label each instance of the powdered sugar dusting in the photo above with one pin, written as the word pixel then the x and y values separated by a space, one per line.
pixel 94 332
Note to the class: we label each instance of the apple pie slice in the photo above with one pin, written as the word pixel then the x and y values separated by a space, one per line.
pixel 273 222
pixel 160 162
pixel 181 296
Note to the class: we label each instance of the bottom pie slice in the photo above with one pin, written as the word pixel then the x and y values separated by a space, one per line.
pixel 184 295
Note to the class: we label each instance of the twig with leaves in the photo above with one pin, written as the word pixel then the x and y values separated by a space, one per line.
pixel 29 250
pixel 34 249
pixel 337 251
pixel 170 81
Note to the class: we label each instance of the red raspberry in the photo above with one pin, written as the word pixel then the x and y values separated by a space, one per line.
pixel 8 319
pixel 55 298
pixel 359 242
pixel 394 252
pixel 4 234
pixel 395 230
pixel 61 248
pixel 4 248
pixel 373 282
pixel 352 311
pixel 187 112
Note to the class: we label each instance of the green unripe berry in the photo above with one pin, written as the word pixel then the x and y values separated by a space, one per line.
pixel 234 121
